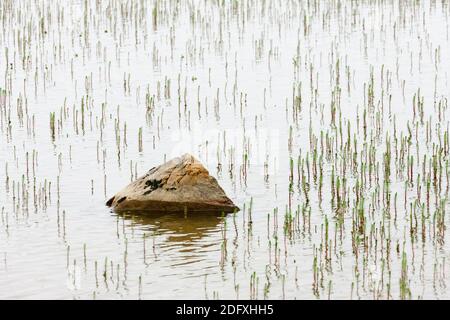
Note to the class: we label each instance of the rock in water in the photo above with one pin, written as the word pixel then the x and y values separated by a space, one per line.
pixel 180 184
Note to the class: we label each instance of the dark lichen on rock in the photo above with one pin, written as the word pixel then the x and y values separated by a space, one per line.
pixel 121 199
pixel 110 202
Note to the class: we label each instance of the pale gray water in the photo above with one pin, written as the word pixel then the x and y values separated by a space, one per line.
pixel 232 69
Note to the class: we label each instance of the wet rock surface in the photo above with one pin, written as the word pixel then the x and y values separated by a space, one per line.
pixel 180 184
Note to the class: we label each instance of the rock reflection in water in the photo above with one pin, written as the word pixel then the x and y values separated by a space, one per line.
pixel 188 244
pixel 179 228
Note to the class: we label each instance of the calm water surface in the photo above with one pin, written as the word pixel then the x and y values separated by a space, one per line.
pixel 270 96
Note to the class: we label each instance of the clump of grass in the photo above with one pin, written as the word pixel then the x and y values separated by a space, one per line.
pixel 52 126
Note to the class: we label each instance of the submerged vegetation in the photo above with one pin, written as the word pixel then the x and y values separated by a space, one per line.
pixel 326 122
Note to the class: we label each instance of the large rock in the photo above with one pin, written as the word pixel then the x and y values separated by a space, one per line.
pixel 177 185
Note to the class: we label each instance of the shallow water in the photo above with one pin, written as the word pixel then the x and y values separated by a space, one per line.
pixel 235 70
